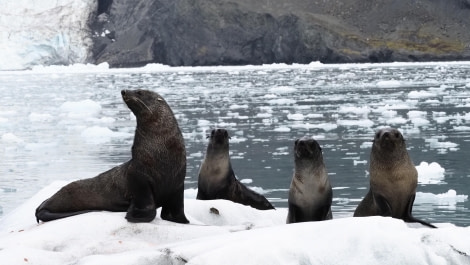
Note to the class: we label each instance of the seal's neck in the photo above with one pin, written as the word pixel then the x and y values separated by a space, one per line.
pixel 308 169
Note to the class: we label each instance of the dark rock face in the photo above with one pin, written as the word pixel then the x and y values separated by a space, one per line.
pixel 227 32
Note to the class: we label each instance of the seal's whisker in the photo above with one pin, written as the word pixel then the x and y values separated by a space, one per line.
pixel 143 103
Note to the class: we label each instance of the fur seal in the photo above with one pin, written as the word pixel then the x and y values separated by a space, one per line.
pixel 216 177
pixel 153 178
pixel 393 179
pixel 310 193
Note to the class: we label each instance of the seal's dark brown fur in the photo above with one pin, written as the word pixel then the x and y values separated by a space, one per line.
pixel 217 179
pixel 310 193
pixel 153 178
pixel 393 179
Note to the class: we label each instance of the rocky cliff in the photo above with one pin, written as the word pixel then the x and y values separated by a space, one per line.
pixel 234 32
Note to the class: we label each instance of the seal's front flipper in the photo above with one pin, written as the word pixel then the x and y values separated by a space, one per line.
pixel 140 215
pixel 142 208
pixel 409 218
pixel 382 205
pixel 173 209
pixel 294 214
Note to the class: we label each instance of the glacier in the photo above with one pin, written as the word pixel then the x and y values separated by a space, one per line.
pixel 44 32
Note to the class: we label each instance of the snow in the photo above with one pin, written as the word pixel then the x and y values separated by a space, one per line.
pixel 236 235
pixel 43 32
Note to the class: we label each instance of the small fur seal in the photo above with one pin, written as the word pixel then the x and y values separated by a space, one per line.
pixel 310 193
pixel 393 179
pixel 153 178
pixel 217 179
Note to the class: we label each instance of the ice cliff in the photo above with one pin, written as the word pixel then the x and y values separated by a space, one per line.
pixel 127 33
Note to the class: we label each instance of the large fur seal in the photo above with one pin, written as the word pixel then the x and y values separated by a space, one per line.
pixel 393 179
pixel 310 193
pixel 153 178
pixel 217 179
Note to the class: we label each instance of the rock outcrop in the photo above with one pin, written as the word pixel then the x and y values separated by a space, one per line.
pixel 129 33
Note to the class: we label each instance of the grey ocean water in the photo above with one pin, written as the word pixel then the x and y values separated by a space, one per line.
pixel 64 125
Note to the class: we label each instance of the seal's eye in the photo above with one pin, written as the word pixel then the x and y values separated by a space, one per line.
pixel 377 135
pixel 139 92
pixel 397 134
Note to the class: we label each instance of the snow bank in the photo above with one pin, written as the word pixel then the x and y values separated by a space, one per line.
pixel 222 232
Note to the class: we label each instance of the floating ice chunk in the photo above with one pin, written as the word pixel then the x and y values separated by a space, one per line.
pixel 282 101
pixel 431 173
pixel 314 115
pixel 420 94
pixel 236 139
pixel 388 84
pixel 359 162
pixel 416 114
pixel 461 128
pixel 246 181
pixel 364 110
pixel 202 122
pixel 103 120
pixel 264 115
pixel 295 116
pixel 435 144
pixel 282 129
pixel 97 134
pixel 467 85
pixel 270 96
pixel 282 89
pixel 327 126
pixel 81 109
pixel 449 198
pixel 360 123
pixel 420 121
pixel 196 154
pixel 236 106
pixel 11 138
pixel 366 145
pixel 39 117
pixel 396 120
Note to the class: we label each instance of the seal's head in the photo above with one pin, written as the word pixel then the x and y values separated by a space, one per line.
pixel 145 104
pixel 307 148
pixel 388 139
pixel 388 147
pixel 218 137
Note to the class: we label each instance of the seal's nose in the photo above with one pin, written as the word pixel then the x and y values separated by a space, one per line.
pixel 123 92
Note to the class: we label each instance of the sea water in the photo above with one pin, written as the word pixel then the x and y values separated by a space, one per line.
pixel 67 123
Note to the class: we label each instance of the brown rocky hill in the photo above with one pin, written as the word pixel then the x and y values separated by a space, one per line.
pixel 229 32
